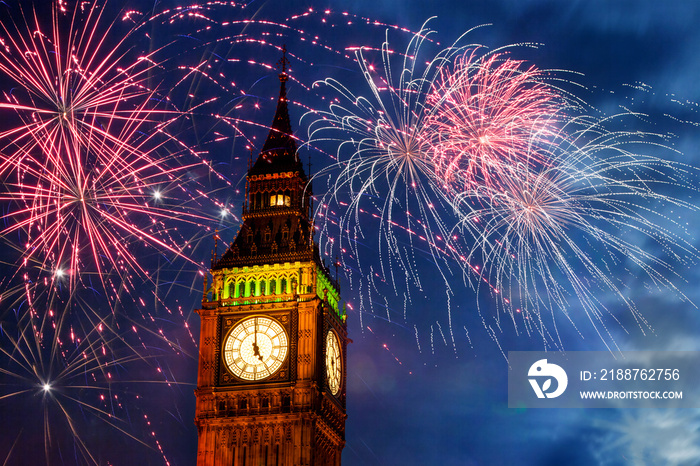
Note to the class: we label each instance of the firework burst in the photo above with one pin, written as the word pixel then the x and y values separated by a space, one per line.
pixel 97 195
pixel 487 113
pixel 570 233
pixel 85 156
pixel 426 131
pixel 70 369
pixel 389 174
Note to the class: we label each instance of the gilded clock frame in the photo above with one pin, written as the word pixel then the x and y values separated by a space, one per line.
pixel 283 374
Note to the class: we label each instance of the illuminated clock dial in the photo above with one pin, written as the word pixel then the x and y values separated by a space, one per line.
pixel 255 348
pixel 333 363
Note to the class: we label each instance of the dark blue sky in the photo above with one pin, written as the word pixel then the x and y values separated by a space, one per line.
pixel 425 400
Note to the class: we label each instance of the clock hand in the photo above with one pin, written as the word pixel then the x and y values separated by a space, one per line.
pixel 256 348
pixel 257 352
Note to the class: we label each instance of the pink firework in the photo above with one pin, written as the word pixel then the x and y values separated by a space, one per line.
pixel 487 113
pixel 82 146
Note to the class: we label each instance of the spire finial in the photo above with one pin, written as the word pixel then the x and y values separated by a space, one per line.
pixel 283 64
pixel 216 246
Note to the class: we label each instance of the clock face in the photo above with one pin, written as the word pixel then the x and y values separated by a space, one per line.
pixel 255 348
pixel 333 363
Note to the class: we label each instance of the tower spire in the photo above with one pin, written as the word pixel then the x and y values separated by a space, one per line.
pixel 279 153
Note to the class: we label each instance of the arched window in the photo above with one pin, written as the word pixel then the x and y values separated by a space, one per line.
pixel 283 286
pixel 241 290
pixel 263 288
pixel 273 287
pixel 231 289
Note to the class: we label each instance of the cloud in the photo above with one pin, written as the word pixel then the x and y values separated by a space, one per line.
pixel 649 437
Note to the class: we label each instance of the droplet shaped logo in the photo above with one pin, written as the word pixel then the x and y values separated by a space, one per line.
pixel 546 372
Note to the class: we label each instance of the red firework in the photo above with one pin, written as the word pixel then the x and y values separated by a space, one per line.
pixel 487 113
pixel 81 145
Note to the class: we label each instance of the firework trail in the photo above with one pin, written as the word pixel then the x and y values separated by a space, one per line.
pixel 228 51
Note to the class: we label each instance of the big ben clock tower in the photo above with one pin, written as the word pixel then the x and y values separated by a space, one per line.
pixel 272 348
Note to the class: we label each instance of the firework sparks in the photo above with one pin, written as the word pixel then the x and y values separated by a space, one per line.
pixel 488 111
pixel 528 176
pixel 390 173
pixel 557 237
pixel 69 372
pixel 80 146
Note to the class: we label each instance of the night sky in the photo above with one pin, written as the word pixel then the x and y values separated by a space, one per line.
pixel 427 379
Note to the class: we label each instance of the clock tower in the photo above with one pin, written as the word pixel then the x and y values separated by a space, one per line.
pixel 272 348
